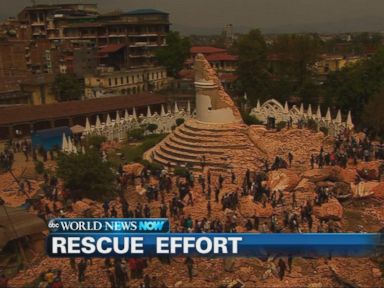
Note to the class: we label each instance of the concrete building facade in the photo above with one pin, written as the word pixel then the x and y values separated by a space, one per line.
pixel 108 82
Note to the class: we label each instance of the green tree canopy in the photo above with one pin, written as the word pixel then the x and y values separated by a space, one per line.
pixel 174 54
pixel 252 50
pixel 67 87
pixel 297 53
pixel 352 87
pixel 95 141
pixel 87 175
pixel 373 114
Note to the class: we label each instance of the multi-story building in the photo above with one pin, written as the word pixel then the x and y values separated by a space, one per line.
pixel 139 32
pixel 76 38
pixel 331 63
pixel 108 82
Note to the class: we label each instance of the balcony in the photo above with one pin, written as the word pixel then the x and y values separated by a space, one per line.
pixel 142 55
pixel 117 35
pixel 144 44
pixel 143 34
pixel 37 23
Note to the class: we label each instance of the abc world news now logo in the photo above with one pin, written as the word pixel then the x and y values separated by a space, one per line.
pixel 108 225
pixel 117 237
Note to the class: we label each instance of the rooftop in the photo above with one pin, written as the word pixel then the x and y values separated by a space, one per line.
pixel 206 50
pixel 28 113
pixel 144 12
pixel 110 48
pixel 221 57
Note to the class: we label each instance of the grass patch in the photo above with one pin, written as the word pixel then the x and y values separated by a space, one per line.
pixel 134 152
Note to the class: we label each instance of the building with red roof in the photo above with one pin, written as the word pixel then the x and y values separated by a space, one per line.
pixel 220 59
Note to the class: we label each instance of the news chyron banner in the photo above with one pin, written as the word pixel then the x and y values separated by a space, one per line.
pixel 141 237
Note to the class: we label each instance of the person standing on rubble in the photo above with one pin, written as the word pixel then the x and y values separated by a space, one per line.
pixel 189 262
pixel 282 267
pixel 81 267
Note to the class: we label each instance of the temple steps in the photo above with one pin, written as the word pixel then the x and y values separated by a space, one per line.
pixel 199 126
pixel 197 149
pixel 165 156
pixel 207 145
pixel 190 138
pixel 208 133
pixel 202 137
pixel 223 148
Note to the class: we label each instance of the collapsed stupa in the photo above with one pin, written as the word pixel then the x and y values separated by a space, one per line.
pixel 217 138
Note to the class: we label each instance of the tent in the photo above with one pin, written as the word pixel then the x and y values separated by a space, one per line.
pixel 16 222
pixel 77 129
pixel 49 138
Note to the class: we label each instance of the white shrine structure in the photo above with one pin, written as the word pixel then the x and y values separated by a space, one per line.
pixel 272 109
pixel 217 138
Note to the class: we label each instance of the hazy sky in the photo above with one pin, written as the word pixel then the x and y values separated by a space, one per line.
pixel 265 14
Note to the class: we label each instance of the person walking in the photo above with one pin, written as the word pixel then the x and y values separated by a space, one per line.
pixel 189 262
pixel 282 268
pixel 81 267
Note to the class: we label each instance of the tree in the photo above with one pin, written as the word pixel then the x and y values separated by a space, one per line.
pixel 95 141
pixel 136 134
pixel 174 54
pixel 352 87
pixel 373 114
pixel 251 50
pixel 152 127
pixel 179 121
pixel 87 175
pixel 67 87
pixel 297 53
pixel 292 73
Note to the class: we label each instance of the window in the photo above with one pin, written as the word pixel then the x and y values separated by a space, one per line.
pixel 115 81
pixel 121 80
pixel 110 82
pixel 127 79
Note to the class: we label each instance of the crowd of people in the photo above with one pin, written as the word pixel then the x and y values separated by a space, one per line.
pixel 167 197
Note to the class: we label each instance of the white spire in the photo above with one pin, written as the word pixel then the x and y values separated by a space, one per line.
pixel 301 109
pixel 309 111
pixel 87 125
pixel 98 123
pixel 134 113
pixel 189 107
pixel 162 112
pixel 118 117
pixel 64 143
pixel 176 108
pixel 338 116
pixel 149 111
pixel 328 116
pixel 108 122
pixel 245 96
pixel 126 115
pixel 70 146
pixel 82 149
pixel 169 109
pixel 258 106
pixel 349 120
pixel 74 148
pixel 318 113
pixel 286 110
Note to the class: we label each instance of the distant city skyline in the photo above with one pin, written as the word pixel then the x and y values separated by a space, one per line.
pixel 271 16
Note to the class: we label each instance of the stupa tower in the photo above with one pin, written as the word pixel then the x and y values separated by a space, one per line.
pixel 213 104
pixel 217 138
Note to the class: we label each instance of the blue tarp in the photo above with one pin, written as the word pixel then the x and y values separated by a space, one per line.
pixel 49 138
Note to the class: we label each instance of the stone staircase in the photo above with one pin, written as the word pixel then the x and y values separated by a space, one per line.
pixel 224 146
